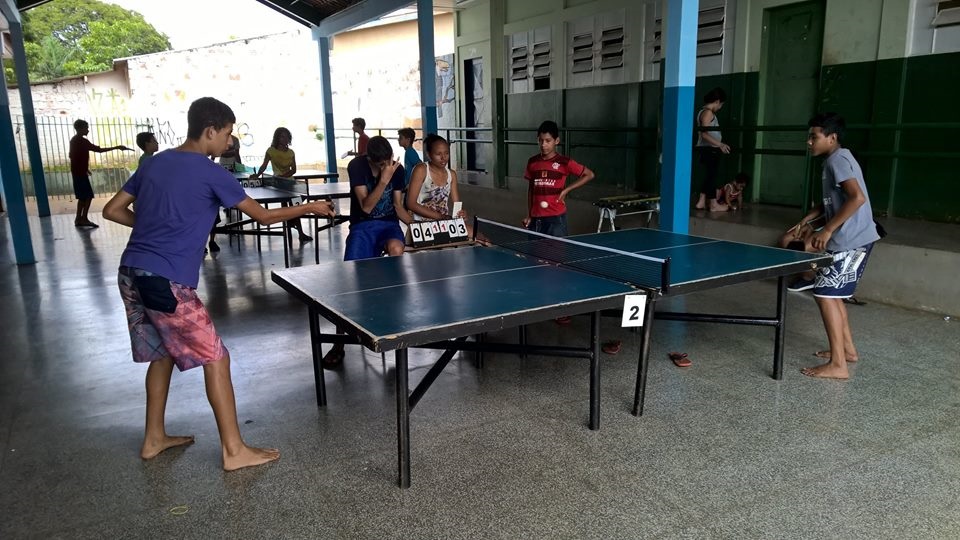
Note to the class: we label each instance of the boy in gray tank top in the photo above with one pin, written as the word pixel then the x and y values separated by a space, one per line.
pixel 848 234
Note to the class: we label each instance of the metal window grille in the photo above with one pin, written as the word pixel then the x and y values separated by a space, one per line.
pixel 109 170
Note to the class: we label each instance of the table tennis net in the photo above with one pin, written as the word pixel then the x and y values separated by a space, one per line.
pixel 288 184
pixel 638 270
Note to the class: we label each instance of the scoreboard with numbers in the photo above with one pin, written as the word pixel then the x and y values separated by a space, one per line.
pixel 256 182
pixel 436 233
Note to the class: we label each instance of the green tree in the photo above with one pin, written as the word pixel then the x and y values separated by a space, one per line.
pixel 108 40
pixel 48 59
pixel 72 37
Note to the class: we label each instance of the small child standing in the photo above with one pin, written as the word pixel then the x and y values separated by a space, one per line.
pixel 148 143
pixel 848 234
pixel 80 149
pixel 284 162
pixel 547 173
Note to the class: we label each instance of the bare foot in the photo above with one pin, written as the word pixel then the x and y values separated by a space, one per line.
pixel 826 356
pixel 827 371
pixel 717 207
pixel 249 456
pixel 152 448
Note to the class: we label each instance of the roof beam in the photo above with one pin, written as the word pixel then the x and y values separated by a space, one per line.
pixel 9 11
pixel 24 5
pixel 358 14
pixel 299 12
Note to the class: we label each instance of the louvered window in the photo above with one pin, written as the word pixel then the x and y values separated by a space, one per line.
pixel 611 48
pixel 709 32
pixel 583 53
pixel 518 63
pixel 541 59
pixel 541 65
pixel 948 14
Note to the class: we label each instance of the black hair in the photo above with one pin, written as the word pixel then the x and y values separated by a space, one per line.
pixel 549 126
pixel 379 149
pixel 276 136
pixel 359 122
pixel 407 133
pixel 143 138
pixel 80 124
pixel 207 112
pixel 431 140
pixel 717 94
pixel 829 123
pixel 742 177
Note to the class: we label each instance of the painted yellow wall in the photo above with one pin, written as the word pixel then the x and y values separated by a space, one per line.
pixel 398 39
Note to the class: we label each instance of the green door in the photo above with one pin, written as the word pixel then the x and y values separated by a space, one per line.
pixel 789 77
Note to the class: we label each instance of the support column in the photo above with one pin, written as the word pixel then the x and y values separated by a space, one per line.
pixel 498 118
pixel 323 43
pixel 680 59
pixel 428 67
pixel 13 186
pixel 29 119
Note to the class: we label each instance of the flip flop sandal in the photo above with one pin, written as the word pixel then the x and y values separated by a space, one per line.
pixel 680 359
pixel 333 359
pixel 612 347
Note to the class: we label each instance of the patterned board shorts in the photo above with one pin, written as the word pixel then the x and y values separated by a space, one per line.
pixel 839 280
pixel 187 335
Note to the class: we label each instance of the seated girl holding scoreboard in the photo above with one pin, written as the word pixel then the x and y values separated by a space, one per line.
pixel 433 196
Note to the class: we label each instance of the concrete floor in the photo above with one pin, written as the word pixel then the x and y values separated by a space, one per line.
pixel 723 451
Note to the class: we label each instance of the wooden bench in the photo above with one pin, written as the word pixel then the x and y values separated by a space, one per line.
pixel 627 205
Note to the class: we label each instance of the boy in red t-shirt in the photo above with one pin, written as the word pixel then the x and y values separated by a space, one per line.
pixel 359 124
pixel 547 173
pixel 80 149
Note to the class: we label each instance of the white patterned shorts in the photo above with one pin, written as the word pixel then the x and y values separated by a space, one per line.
pixel 839 280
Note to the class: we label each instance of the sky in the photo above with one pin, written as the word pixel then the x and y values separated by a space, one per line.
pixel 196 23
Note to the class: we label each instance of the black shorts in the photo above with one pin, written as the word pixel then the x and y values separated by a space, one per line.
pixel 82 189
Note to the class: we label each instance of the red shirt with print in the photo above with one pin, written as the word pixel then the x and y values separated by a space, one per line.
pixel 548 177
pixel 80 149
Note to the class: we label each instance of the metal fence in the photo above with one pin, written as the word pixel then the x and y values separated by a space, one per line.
pixel 108 170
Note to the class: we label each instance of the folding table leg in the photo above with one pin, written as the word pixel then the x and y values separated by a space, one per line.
pixel 403 418
pixel 595 370
pixel 644 360
pixel 780 327
pixel 317 351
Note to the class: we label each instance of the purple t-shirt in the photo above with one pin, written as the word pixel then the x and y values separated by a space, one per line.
pixel 178 197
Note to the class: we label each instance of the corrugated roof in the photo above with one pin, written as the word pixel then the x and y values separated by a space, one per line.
pixel 306 12
pixel 309 12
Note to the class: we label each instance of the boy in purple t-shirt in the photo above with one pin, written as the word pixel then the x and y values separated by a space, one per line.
pixel 178 195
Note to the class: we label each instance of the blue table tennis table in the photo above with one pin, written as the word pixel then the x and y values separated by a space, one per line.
pixel 439 299
pixel 272 190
